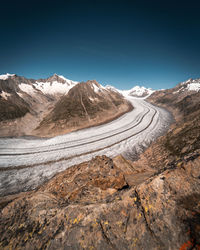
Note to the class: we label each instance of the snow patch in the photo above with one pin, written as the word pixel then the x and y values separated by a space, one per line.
pixel 5 95
pixel 182 88
pixel 54 87
pixel 62 77
pixel 194 86
pixel 70 82
pixel 26 88
pixel 96 88
pixel 109 87
pixel 20 94
pixel 93 99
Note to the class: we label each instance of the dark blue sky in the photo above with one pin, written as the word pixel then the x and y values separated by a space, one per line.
pixel 122 43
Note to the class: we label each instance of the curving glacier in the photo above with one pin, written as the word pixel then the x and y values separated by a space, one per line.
pixel 26 163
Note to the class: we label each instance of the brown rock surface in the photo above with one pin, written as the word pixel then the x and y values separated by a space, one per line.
pixel 94 206
pixel 87 104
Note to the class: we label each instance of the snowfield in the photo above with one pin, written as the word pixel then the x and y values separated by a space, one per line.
pixel 190 85
pixel 26 163
pixel 138 91
pixel 55 87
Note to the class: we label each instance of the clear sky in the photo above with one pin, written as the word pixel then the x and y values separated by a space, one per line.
pixel 121 43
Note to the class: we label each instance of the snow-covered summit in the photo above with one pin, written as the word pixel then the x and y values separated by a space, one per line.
pixel 97 87
pixel 189 85
pixel 56 84
pixel 6 76
pixel 62 77
pixel 58 78
pixel 109 87
pixel 193 85
pixel 136 91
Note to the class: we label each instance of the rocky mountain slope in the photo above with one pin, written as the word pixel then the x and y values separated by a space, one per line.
pixel 24 102
pixel 87 104
pixel 12 104
pixel 183 95
pixel 27 104
pixel 152 203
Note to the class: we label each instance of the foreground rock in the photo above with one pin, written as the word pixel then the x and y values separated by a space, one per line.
pixel 96 205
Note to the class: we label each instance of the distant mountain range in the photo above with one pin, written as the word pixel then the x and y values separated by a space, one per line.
pixel 192 85
pixel 58 105
pixel 55 105
pixel 56 85
pixel 137 91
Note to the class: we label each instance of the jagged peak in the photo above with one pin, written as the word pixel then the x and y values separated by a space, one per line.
pixel 57 78
pixel 189 85
pixel 6 76
pixel 93 82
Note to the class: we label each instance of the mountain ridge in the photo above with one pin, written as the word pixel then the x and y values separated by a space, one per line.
pixel 86 104
pixel 25 103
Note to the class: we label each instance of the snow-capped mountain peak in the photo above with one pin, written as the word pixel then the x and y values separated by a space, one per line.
pixel 138 91
pixel 61 77
pixel 97 87
pixel 189 85
pixel 6 76
pixel 56 84
pixel 109 87
pixel 193 85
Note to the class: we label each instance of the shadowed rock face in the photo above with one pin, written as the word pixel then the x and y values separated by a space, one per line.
pixel 12 108
pixel 21 106
pixel 12 105
pixel 97 205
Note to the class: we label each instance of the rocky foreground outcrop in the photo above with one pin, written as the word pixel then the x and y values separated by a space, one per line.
pixel 106 204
